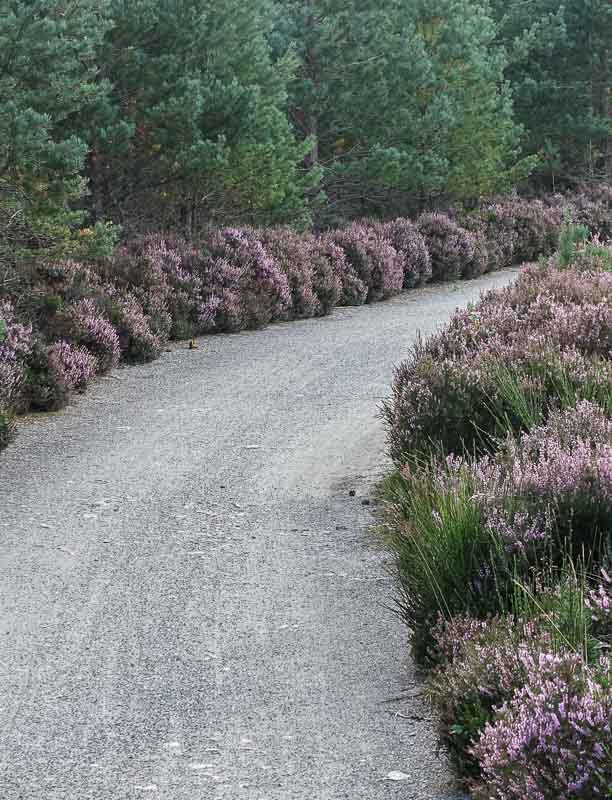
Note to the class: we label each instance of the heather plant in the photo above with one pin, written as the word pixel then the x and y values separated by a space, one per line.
pixel 592 208
pixel 70 366
pixel 527 347
pixel 553 737
pixel 495 221
pixel 89 328
pixel 137 341
pixel 294 255
pixel 410 244
pixel 536 227
pixel 480 664
pixel 329 266
pixel 162 274
pixel 353 290
pixel 373 261
pixel 47 387
pixel 244 286
pixel 15 347
pixel 451 247
pixel 559 476
pixel 460 405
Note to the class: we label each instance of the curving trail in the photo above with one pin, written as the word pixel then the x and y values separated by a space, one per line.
pixel 192 605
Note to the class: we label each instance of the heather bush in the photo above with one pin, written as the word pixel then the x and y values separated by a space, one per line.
pixel 451 247
pixel 294 254
pixel 243 284
pixel 137 341
pixel 484 258
pixel 535 225
pixel 562 468
pixel 373 263
pixel 353 290
pixel 162 274
pixel 329 266
pixel 410 244
pixel 15 347
pixel 70 366
pixel 480 664
pixel 495 221
pixel 89 328
pixel 55 372
pixel 592 207
pixel 529 347
pixel 553 738
pixel 45 389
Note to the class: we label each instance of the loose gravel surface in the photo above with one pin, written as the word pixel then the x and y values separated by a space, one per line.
pixel 193 605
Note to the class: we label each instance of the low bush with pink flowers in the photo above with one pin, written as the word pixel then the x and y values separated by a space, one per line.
pixel 155 288
pixel 499 519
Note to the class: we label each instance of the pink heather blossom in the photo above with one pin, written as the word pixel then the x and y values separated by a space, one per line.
pixel 553 738
pixel 15 346
pixel 96 333
pixel 71 367
pixel 375 269
pixel 451 247
pixel 248 280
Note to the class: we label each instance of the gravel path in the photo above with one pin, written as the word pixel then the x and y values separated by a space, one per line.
pixel 192 604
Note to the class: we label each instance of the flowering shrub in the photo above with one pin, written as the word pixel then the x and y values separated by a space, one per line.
pixel 294 255
pixel 450 246
pixel 162 274
pixel 562 474
pixel 15 346
pixel 353 290
pixel 549 334
pixel 244 286
pixel 482 664
pixel 71 366
pixel 592 207
pixel 373 261
pixel 91 329
pixel 553 737
pixel 329 265
pixel 410 244
pixel 534 225
pixel 137 341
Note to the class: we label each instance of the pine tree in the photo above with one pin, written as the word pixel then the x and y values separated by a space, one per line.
pixel 560 69
pixel 48 82
pixel 196 128
pixel 407 100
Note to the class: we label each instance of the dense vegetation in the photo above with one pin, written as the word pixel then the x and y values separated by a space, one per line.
pixel 499 515
pixel 160 115
pixel 175 167
pixel 64 321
